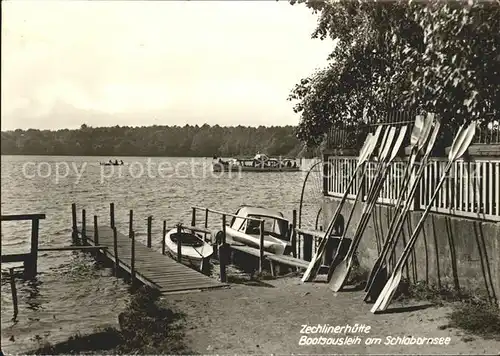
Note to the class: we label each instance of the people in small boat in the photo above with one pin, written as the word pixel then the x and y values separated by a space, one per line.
pixel 294 164
pixel 116 162
pixel 121 162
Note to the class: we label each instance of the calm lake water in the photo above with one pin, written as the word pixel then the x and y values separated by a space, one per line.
pixel 72 294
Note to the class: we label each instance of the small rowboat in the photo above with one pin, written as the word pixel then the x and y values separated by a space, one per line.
pixel 194 251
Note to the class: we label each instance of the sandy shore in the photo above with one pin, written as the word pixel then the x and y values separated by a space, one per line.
pixel 268 318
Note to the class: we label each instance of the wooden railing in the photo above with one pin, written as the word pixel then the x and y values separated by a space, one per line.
pixel 29 259
pixel 471 188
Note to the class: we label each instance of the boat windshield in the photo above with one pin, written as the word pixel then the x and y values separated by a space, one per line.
pixel 272 226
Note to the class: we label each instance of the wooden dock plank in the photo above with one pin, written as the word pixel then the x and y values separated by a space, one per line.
pixel 288 260
pixel 151 267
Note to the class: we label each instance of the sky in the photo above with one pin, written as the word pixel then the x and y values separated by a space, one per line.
pixel 138 63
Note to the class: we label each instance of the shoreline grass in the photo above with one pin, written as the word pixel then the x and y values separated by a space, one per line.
pixel 473 312
pixel 145 328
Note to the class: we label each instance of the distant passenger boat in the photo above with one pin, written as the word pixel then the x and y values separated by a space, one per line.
pixel 116 163
pixel 259 163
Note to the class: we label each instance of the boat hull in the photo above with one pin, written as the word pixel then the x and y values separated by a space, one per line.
pixel 219 167
pixel 271 244
pixel 191 255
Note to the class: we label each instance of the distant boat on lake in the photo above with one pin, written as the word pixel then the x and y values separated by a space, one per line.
pixel 111 163
pixel 259 163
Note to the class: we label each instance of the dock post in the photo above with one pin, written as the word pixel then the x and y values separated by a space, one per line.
pixel 261 247
pixel 163 237
pixel 223 252
pixel 193 217
pixel 84 227
pixel 115 250
pixel 150 219
pixel 179 243
pixel 132 258
pixel 206 225
pixel 74 235
pixel 294 233
pixel 14 292
pixel 96 232
pixel 30 268
pixel 308 247
pixel 112 214
pixel 130 222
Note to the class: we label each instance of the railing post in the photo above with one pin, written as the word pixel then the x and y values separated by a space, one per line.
pixel 326 174
pixel 132 258
pixel 96 232
pixel 14 293
pixel 74 235
pixel 163 237
pixel 112 214
pixel 115 251
pixel 261 247
pixel 150 219
pixel 294 233
pixel 130 223
pixel 193 217
pixel 223 252
pixel 179 243
pixel 84 227
pixel 416 197
pixel 31 268
pixel 206 226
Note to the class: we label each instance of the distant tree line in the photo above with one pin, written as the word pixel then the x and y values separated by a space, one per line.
pixel 186 141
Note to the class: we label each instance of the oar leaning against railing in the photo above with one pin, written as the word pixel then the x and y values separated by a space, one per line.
pixel 365 153
pixel 458 148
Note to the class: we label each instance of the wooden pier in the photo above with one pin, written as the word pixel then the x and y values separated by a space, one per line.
pixel 150 267
pixel 153 268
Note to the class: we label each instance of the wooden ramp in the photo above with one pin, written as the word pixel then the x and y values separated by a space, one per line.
pixel 151 267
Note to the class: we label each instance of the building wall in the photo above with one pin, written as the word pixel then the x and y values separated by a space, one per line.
pixel 450 251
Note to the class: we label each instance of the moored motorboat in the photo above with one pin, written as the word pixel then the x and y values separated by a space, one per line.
pixel 245 229
pixel 194 250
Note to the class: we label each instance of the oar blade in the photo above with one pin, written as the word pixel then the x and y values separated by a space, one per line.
pixel 425 131
pixel 433 137
pixel 468 135
pixel 376 285
pixel 398 143
pixel 380 298
pixel 339 275
pixel 366 150
pixel 387 144
pixel 390 292
pixel 459 138
pixel 417 130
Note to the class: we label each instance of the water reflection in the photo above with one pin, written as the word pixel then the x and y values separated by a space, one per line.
pixel 31 289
